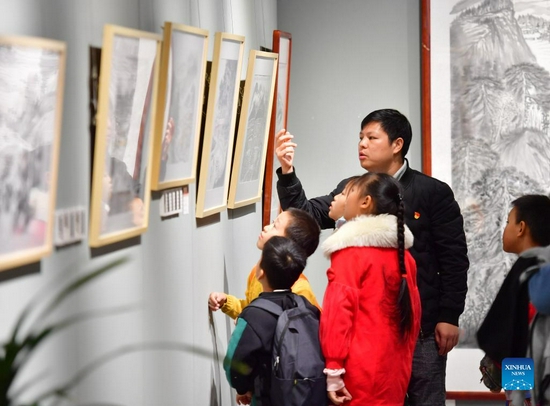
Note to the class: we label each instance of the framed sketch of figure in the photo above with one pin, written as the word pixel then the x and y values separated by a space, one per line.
pixel 282 45
pixel 123 142
pixel 250 149
pixel 32 73
pixel 179 107
pixel 219 129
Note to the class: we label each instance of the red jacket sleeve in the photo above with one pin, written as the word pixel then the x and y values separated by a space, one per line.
pixel 340 305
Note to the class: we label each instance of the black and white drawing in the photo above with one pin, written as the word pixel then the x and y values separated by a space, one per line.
pixel 31 80
pixel 283 78
pixel 255 130
pixel 499 127
pixel 222 134
pixel 129 101
pixel 221 113
pixel 184 74
pixel 123 143
pixel 251 145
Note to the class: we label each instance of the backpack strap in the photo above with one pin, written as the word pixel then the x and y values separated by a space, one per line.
pixel 275 309
pixel 300 301
pixel 267 305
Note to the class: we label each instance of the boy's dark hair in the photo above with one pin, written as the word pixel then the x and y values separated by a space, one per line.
pixel 388 199
pixel 395 124
pixel 303 230
pixel 534 210
pixel 282 262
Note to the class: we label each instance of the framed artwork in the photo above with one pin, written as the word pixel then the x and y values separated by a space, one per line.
pixel 217 148
pixel 179 106
pixel 486 124
pixel 251 146
pixel 282 45
pixel 32 75
pixel 124 135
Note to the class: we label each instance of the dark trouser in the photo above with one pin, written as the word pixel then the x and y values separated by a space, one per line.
pixel 427 384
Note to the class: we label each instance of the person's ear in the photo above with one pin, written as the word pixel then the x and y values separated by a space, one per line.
pixel 522 229
pixel 366 204
pixel 397 145
pixel 260 274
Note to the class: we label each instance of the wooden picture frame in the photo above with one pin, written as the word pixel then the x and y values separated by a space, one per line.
pixel 124 138
pixel 31 102
pixel 282 45
pixel 179 105
pixel 221 115
pixel 486 134
pixel 250 149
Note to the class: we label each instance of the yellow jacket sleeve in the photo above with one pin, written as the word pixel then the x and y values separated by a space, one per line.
pixel 302 287
pixel 234 306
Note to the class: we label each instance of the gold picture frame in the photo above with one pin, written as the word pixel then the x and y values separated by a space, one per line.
pixel 124 135
pixel 251 147
pixel 179 105
pixel 219 128
pixel 31 103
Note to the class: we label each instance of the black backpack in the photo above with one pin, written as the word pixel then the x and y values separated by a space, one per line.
pixel 297 377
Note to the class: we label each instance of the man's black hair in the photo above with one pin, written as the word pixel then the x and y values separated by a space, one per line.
pixel 395 124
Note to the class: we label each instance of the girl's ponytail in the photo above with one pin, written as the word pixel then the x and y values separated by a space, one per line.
pixel 403 300
pixel 386 193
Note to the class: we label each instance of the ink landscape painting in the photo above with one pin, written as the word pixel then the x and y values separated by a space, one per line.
pixel 499 128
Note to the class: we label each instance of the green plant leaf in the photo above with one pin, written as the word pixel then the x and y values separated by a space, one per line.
pixel 68 290
pixel 32 342
pixel 12 359
pixel 64 389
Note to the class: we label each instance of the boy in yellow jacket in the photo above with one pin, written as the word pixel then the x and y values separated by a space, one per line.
pixel 294 224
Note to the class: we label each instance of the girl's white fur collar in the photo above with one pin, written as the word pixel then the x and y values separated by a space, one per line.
pixel 367 231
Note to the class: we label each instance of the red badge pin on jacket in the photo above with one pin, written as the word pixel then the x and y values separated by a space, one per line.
pixel 416 215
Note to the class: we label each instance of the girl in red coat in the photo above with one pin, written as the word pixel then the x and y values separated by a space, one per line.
pixel 371 310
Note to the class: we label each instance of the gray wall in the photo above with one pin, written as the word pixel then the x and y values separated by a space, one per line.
pixel 176 263
pixel 349 57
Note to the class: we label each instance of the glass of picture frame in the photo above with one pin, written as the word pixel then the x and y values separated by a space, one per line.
pixel 32 76
pixel 124 135
pixel 217 149
pixel 179 106
pixel 251 146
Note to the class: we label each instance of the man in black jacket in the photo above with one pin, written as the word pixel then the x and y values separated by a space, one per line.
pixel 433 216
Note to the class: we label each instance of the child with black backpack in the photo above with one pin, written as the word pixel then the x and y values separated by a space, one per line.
pixel 262 361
